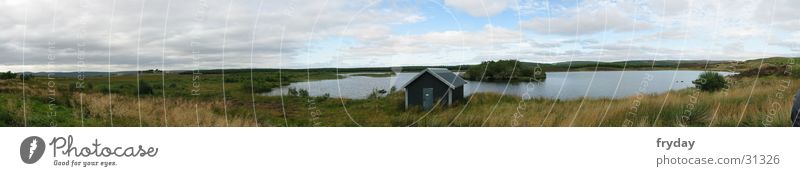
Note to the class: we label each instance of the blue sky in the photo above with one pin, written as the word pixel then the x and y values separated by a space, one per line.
pixel 558 31
pixel 375 33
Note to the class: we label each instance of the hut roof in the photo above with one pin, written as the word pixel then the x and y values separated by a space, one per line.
pixel 444 75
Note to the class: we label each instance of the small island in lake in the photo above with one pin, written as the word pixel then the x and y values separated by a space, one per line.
pixel 503 70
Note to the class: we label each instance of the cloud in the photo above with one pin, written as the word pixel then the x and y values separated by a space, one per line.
pixel 193 28
pixel 358 33
pixel 582 42
pixel 670 7
pixel 479 8
pixel 792 42
pixel 485 41
pixel 588 19
pixel 780 13
pixel 668 34
pixel 733 47
pixel 414 19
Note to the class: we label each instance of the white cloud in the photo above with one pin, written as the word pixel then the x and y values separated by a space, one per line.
pixel 285 29
pixel 792 42
pixel 414 19
pixel 491 37
pixel 445 47
pixel 587 19
pixel 479 8
pixel 300 32
pixel 741 32
pixel 783 16
pixel 669 7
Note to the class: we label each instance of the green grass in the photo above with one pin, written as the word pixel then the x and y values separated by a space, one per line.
pixel 190 100
pixel 374 75
pixel 725 108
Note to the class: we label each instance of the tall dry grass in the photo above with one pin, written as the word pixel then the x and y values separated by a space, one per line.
pixel 742 104
pixel 766 104
pixel 99 109
pixel 154 111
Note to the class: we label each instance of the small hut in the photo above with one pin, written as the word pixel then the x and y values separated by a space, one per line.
pixel 434 85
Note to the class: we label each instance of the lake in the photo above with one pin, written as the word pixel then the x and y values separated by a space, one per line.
pixel 558 85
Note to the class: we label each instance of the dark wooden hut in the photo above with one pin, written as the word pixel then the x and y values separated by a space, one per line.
pixel 434 85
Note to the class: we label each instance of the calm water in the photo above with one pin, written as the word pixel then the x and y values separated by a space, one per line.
pixel 558 85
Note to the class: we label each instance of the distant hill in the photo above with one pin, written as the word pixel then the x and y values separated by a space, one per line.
pixel 723 65
pixel 88 74
pixel 632 65
pixel 559 66
pixel 69 74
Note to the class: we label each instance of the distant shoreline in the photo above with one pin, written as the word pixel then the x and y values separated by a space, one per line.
pixel 700 65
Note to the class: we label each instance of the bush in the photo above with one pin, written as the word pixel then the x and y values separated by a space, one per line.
pixel 144 88
pixel 292 91
pixel 298 92
pixel 710 81
pixel 258 87
pixel 322 98
pixel 302 93
pixel 26 77
pixel 504 70
pixel 76 86
pixel 376 93
pixel 7 75
pixel 232 79
pixel 5 119
pixel 793 70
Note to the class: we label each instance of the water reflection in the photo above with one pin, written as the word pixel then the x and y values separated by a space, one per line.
pixel 558 85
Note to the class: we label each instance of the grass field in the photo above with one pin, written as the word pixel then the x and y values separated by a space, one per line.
pixel 199 100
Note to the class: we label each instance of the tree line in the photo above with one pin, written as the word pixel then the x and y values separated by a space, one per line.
pixel 9 75
pixel 503 70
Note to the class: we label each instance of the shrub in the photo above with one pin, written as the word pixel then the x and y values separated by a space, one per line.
pixel 376 93
pixel 710 81
pixel 298 92
pixel 232 79
pixel 257 87
pixel 5 119
pixel 76 86
pixel 292 91
pixel 26 77
pixel 793 70
pixel 504 70
pixel 302 93
pixel 144 88
pixel 376 97
pixel 8 75
pixel 322 98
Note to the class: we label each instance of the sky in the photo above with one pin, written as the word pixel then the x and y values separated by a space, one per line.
pixel 124 35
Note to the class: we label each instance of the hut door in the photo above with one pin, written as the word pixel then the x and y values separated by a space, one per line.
pixel 427 98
